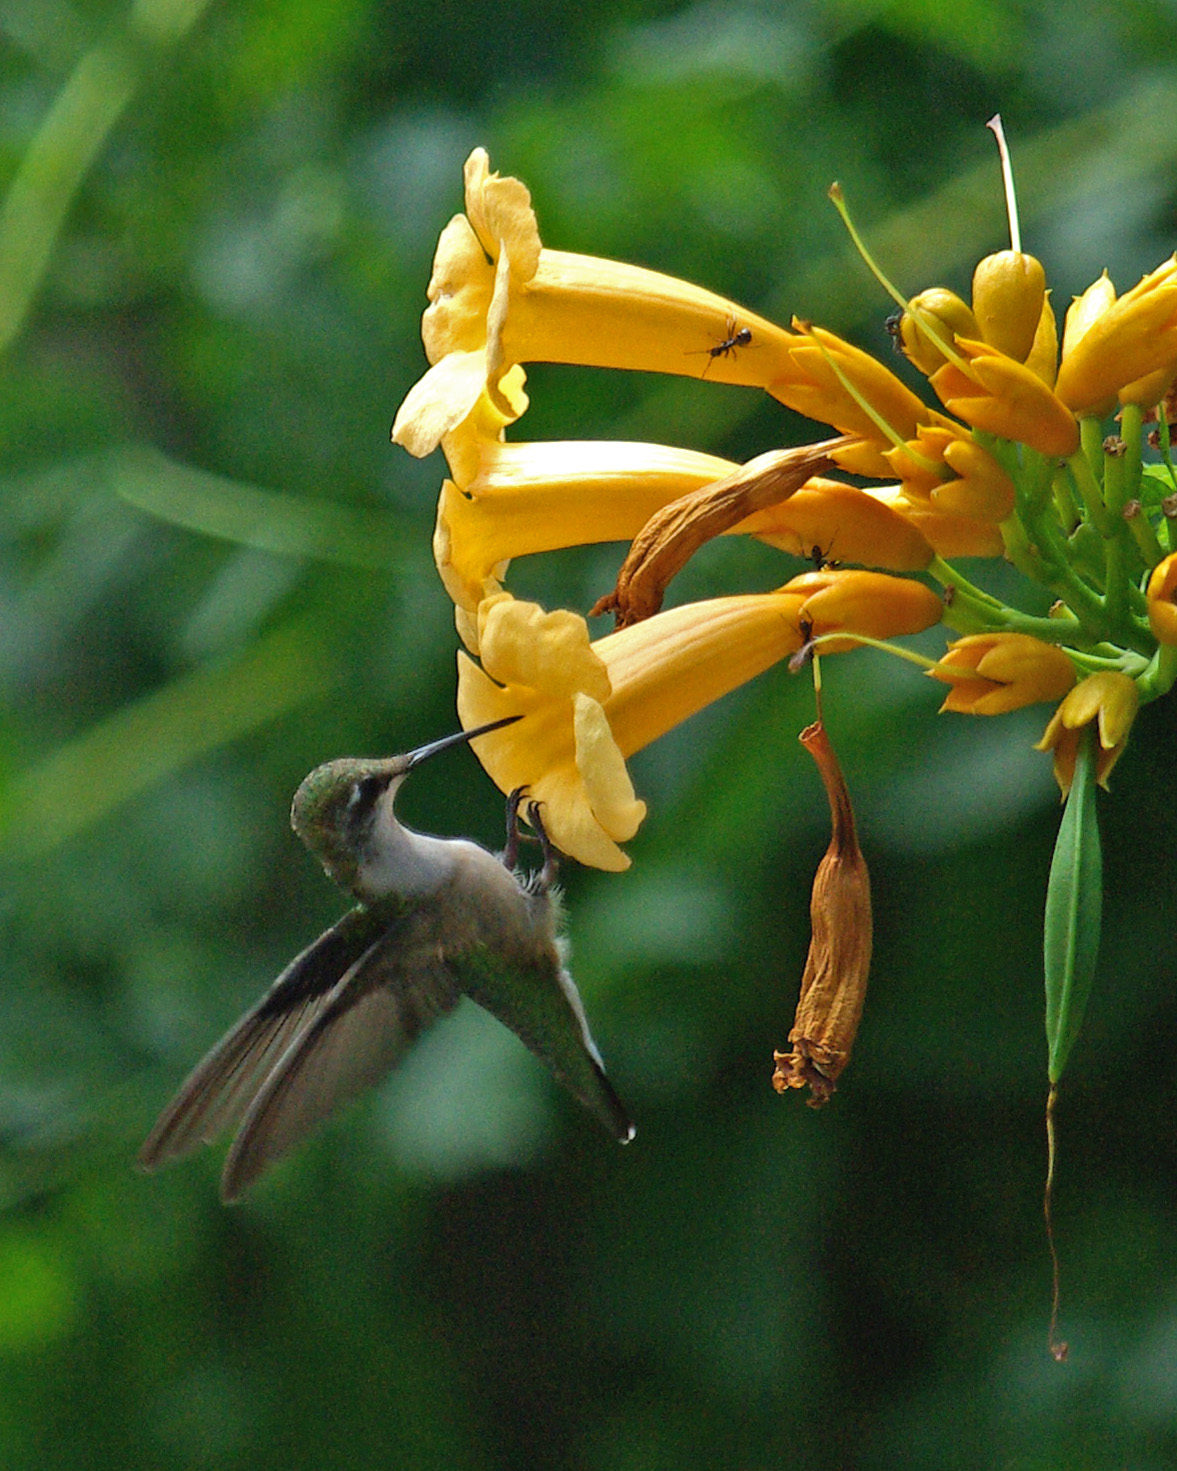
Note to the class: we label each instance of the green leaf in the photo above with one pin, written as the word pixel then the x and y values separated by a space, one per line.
pixel 286 525
pixel 1074 901
pixel 145 743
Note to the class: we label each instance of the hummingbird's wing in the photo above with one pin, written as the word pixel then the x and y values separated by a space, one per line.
pixel 542 1006
pixel 221 1087
pixel 377 1010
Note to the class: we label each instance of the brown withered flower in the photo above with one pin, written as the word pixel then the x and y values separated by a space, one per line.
pixel 833 986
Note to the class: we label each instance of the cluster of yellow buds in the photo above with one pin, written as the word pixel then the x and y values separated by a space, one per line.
pixel 1014 463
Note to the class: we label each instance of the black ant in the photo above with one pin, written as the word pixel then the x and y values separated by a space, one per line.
pixel 736 337
pixel 821 560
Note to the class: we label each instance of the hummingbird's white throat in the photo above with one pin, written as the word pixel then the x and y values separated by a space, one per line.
pixel 394 859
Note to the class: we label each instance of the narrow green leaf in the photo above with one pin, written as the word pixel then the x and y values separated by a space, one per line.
pixel 143 744
pixel 274 521
pixel 1074 901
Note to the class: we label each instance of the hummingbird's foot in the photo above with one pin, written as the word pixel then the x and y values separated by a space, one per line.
pixel 514 802
pixel 551 857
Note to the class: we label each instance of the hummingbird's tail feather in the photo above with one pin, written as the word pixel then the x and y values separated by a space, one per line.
pixel 221 1087
pixel 374 1013
pixel 541 1005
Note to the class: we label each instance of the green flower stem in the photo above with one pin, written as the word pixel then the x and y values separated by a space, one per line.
pixel 1116 598
pixel 1132 434
pixel 910 655
pixel 1112 658
pixel 1061 577
pixel 1142 530
pixel 947 576
pixel 1080 467
pixel 1064 500
pixel 1115 482
pixel 1021 551
pixel 971 610
pixel 1160 676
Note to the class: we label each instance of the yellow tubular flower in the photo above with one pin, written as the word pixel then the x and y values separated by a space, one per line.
pixel 1131 338
pixel 569 750
pixel 465 443
pixel 1162 601
pixel 951 535
pixel 498 298
pixel 1001 396
pixel 992 673
pixel 842 523
pixel 526 498
pixel 1009 288
pixel 1109 698
pixel 812 386
pixel 838 599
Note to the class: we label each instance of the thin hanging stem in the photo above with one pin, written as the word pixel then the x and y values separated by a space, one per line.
pixel 1058 1346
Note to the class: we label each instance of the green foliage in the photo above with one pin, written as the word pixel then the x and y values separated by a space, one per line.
pixel 1074 905
pixel 215 573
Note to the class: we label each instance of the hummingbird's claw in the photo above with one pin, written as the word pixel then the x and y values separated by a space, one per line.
pixel 551 857
pixel 511 851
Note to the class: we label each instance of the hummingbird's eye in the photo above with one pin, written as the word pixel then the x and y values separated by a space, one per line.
pixel 364 794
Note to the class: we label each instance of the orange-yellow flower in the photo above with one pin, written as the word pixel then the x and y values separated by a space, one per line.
pixel 846 600
pixel 1043 358
pixel 1085 310
pixel 944 466
pixel 844 524
pixel 951 535
pixel 934 310
pixel 1000 396
pixel 1162 601
pixel 1009 288
pixel 534 497
pixel 821 372
pixel 499 298
pixel 587 707
pixel 1119 341
pixel 1108 698
pixel 992 673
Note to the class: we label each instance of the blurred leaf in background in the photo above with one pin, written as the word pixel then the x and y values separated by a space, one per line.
pixel 215 572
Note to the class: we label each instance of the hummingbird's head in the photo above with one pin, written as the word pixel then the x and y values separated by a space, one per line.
pixel 336 808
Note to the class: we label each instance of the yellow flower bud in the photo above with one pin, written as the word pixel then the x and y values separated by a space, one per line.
pixel 1043 359
pixel 1109 698
pixel 821 367
pixel 950 315
pixel 1084 311
pixel 1148 391
pixel 1162 601
pixel 1008 290
pixel 999 672
pixel 845 600
pixel 1132 337
pixel 940 451
pixel 1001 396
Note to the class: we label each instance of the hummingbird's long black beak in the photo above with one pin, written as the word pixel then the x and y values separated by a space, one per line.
pixel 423 753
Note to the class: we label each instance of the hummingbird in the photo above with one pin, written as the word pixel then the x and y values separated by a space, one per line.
pixel 435 919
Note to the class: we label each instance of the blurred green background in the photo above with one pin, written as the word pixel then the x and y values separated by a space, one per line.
pixel 215 573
